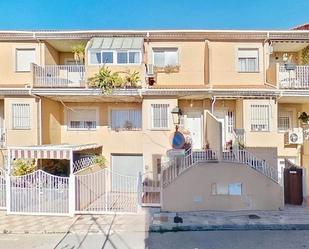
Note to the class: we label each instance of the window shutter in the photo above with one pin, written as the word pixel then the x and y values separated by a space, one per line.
pixel 82 119
pixel 24 57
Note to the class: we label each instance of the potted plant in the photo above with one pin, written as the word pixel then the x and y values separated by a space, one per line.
pixel 304 117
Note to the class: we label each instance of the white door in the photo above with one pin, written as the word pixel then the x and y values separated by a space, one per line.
pixel 194 124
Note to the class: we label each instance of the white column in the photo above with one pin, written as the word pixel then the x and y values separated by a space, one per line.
pixel 8 182
pixel 71 187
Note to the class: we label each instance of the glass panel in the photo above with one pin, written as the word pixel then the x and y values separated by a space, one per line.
pixel 158 58
pixel 95 57
pixel 126 119
pixel 134 57
pixel 122 57
pixel 171 58
pixel 107 57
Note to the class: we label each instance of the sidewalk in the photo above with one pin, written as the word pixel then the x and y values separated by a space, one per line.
pixel 77 224
pixel 291 218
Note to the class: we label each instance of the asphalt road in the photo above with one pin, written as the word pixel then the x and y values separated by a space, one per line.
pixel 179 240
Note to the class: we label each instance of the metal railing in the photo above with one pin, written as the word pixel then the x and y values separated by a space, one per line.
pixel 58 76
pixel 247 158
pixel 83 163
pixel 295 78
pixel 177 165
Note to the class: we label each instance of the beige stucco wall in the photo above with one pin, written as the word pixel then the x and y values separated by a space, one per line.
pixel 22 136
pixel 51 121
pixel 213 133
pixel 224 65
pixel 191 191
pixel 8 74
pixel 191 61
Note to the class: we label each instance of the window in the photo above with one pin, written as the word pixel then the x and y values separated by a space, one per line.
pixel 126 119
pixel 163 57
pixel 285 120
pixel 82 119
pixel 230 121
pixel 115 57
pixel 226 189
pixel 235 189
pixel 24 58
pixel 259 117
pixel 21 116
pixel 248 60
pixel 159 116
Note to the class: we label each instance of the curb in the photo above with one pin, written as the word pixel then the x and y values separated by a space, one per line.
pixel 227 227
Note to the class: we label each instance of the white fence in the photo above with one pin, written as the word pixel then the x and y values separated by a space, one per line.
pixel 106 191
pixel 59 76
pixel 39 193
pixel 2 189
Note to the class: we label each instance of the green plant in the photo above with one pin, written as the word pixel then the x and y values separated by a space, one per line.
pixel 305 55
pixel 23 167
pixel 106 80
pixel 99 159
pixel 79 52
pixel 131 79
pixel 304 117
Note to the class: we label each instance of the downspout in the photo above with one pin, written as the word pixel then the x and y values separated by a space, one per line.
pixel 264 59
pixel 39 120
pixel 213 104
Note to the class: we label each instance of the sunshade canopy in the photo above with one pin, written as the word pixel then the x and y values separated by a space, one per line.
pixel 117 43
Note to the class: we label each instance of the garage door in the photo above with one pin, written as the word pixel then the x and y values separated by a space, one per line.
pixel 125 165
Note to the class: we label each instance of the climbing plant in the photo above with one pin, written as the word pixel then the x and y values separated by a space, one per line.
pixel 305 56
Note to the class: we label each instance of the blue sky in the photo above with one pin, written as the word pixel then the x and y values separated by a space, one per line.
pixel 150 14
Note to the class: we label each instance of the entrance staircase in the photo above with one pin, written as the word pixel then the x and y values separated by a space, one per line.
pixel 175 166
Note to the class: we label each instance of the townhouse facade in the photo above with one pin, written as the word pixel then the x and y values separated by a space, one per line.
pixel 254 83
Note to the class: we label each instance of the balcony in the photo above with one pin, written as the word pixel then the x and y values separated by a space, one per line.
pixel 290 76
pixel 58 76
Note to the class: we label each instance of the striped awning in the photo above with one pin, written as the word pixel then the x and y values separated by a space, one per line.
pixel 61 151
pixel 134 43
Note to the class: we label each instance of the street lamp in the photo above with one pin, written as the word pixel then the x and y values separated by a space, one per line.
pixel 176 113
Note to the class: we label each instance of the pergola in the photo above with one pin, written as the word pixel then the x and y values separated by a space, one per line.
pixel 48 151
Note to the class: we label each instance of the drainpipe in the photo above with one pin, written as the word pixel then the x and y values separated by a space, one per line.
pixel 213 104
pixel 39 123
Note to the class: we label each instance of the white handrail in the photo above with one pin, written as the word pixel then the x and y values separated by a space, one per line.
pixel 177 165
pixel 247 158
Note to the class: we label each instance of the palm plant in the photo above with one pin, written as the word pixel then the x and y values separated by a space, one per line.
pixel 106 80
pixel 131 79
pixel 79 52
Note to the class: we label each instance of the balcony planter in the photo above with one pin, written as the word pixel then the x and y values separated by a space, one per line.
pixel 167 69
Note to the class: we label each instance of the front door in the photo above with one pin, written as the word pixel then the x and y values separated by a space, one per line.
pixel 194 124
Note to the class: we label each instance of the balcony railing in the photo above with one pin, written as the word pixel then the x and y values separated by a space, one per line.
pixel 59 76
pixel 297 78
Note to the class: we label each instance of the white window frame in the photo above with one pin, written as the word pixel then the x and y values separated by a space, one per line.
pixel 114 57
pixel 78 109
pixel 253 121
pixel 124 109
pixel 152 116
pixel 26 127
pixel 163 49
pixel 238 57
pixel 16 58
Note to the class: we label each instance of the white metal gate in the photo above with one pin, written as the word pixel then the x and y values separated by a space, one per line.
pixel 39 193
pixel 2 189
pixel 105 191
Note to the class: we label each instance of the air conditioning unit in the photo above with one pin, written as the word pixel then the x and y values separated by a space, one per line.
pixel 149 70
pixel 296 136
